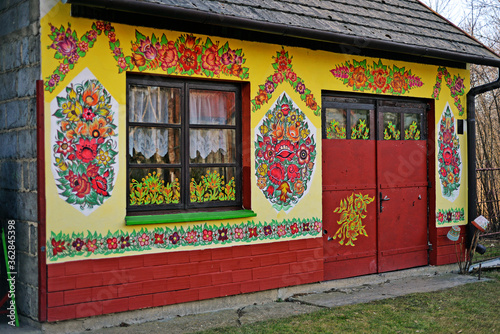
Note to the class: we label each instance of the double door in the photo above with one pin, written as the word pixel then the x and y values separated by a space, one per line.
pixel 375 179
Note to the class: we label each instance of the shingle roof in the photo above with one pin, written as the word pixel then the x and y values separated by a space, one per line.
pixel 403 22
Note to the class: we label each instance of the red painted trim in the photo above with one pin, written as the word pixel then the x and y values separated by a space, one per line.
pixel 41 201
pixel 245 147
pixel 431 174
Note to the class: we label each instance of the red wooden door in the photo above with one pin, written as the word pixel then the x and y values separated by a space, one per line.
pixel 374 190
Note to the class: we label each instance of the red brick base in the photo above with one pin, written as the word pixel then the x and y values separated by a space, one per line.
pixel 92 287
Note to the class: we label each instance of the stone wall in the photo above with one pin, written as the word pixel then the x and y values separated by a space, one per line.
pixel 19 70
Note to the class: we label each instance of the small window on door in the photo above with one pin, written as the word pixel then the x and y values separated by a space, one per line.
pixel 400 120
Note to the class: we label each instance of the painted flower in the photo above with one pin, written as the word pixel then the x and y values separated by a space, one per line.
pixel 358 78
pixel 317 226
pixel 380 79
pixel 86 150
pixel 91 95
pixel 112 37
pixel 294 228
pixel 84 46
pixel 281 230
pixel 238 233
pixel 143 239
pixel 208 235
pixel 210 60
pixel 78 244
pixel 253 232
pixel 270 191
pixel 292 76
pixel 268 230
pixel 91 245
pixel 278 132
pixel 72 111
pixel 58 246
pixel 65 45
pixel 92 35
pixel 261 182
pixel 64 146
pixel 441 217
pixel 81 129
pixel 174 238
pixel 191 236
pixel 189 60
pixel 159 238
pixel 64 68
pixel 447 156
pixel 276 173
pixel 305 227
pixel 223 234
pixel 303 154
pixel 261 98
pixel 292 172
pixel 398 83
pixel 293 133
pixel 301 88
pixel 228 57
pixel 459 84
pixel 88 114
pixel 79 184
pixel 299 187
pixel 112 243
pixel 138 59
pixel 103 158
pixel 124 242
pixel 269 86
pixel 310 102
pixel 278 77
pixel 148 49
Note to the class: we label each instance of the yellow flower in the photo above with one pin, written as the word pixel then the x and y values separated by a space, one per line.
pixel 61 164
pixel 264 129
pixel 103 157
pixel 72 111
pixel 304 133
pixel 262 169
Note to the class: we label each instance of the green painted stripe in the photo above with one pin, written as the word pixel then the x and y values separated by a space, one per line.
pixel 188 217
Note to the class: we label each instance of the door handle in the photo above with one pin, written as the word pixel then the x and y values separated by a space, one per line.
pixel 383 199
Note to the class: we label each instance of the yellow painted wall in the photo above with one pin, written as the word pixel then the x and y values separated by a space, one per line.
pixel 65 222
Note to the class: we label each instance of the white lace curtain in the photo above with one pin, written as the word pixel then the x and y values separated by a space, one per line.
pixel 150 104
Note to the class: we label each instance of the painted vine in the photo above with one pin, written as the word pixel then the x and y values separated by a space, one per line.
pixel 351 212
pixel 62 245
pixel 284 73
pixel 212 188
pixel 187 55
pixel 152 190
pixel 377 78
pixel 455 84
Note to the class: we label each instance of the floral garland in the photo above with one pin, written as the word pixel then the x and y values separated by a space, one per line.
pixel 456 86
pixel 335 131
pixel 69 49
pixel 448 154
pixel 390 132
pixel 377 78
pixel 450 216
pixel 412 132
pixel 63 245
pixel 284 72
pixel 152 190
pixel 351 215
pixel 212 188
pixel 187 55
pixel 84 149
pixel 285 154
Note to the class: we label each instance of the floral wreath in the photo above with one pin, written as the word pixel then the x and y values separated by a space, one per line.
pixel 285 152
pixel 85 151
pixel 456 86
pixel 448 154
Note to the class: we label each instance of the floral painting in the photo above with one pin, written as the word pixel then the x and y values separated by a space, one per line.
pixel 352 212
pixel 455 84
pixel 62 245
pixel 451 216
pixel 84 142
pixel 283 72
pixel 285 154
pixel 449 158
pixel 377 78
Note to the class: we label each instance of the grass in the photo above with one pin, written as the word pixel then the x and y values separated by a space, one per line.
pixel 492 250
pixel 471 308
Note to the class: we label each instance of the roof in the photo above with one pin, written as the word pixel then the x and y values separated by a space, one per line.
pixel 405 26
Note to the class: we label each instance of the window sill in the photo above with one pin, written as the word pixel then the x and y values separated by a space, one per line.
pixel 188 217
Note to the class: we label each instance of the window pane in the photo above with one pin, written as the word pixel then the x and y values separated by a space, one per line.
pixel 154 145
pixel 211 107
pixel 212 184
pixel 212 146
pixel 360 124
pixel 152 186
pixel 392 126
pixel 335 123
pixel 412 126
pixel 154 104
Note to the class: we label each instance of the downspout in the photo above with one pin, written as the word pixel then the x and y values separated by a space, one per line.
pixel 471 150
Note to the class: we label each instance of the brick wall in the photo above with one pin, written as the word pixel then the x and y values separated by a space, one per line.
pixel 94 287
pixel 19 68
pixel 445 248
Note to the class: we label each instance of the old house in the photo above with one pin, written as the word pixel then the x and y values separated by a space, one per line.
pixel 162 152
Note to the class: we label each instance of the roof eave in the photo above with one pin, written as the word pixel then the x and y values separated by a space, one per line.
pixel 158 9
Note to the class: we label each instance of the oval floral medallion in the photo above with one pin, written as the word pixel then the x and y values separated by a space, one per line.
pixel 84 142
pixel 285 154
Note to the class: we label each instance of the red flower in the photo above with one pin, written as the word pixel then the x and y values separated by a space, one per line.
pixel 112 37
pixel 252 231
pixel 158 238
pixel 276 173
pixel 210 60
pixel 88 114
pixel 58 246
pixel 112 243
pixel 443 172
pixel 293 172
pixel 270 190
pixel 64 146
pixel 168 55
pixel 79 183
pixel 92 170
pixel 285 109
pixel 278 77
pixel 447 156
pixel 293 228
pixel 189 60
pixel 380 79
pixel 304 154
pixel 100 184
pixel 86 149
pixel 208 235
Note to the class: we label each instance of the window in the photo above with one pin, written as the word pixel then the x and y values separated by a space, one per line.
pixel 184 145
